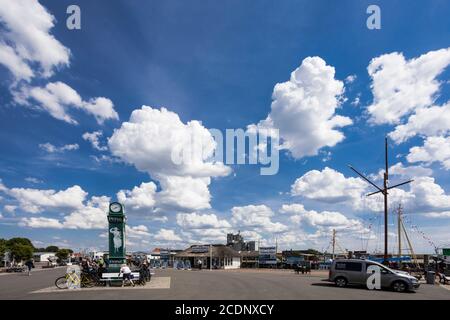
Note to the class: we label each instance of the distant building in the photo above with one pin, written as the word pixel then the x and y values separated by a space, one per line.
pixel 292 258
pixel 236 242
pixel 160 257
pixel 251 246
pixel 249 259
pixel 96 254
pixel 44 256
pixel 6 259
pixel 223 257
pixel 138 256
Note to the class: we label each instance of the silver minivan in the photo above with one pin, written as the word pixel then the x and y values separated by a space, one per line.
pixel 354 271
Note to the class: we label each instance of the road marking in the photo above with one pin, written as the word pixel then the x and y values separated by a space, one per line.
pixel 155 283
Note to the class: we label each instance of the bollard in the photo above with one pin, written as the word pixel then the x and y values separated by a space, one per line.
pixel 430 277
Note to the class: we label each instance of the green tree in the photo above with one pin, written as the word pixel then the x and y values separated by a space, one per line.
pixel 3 248
pixel 23 241
pixel 20 248
pixel 21 252
pixel 62 254
pixel 51 249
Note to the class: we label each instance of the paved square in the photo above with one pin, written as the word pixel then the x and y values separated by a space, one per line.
pixel 241 284
pixel 155 283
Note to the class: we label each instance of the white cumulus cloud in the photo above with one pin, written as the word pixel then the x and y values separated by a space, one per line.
pixel 321 219
pixel 29 51
pixel 36 200
pixel 257 217
pixel 303 109
pixel 434 149
pixel 149 141
pixel 57 97
pixel 426 122
pixel 399 170
pixel 401 86
pixel 328 185
pixel 50 148
pixel 94 139
pixel 76 211
pixel 91 215
pixel 138 232
pixel 139 198
pixel 26 40
pixel 200 221
pixel 166 235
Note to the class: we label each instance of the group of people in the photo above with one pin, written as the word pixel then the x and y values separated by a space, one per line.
pixel 302 268
pixel 99 266
pixel 89 265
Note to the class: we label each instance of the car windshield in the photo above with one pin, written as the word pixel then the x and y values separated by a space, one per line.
pixel 380 266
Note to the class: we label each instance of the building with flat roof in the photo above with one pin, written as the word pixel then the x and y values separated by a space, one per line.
pixel 216 256
pixel 44 256
pixel 162 257
pixel 250 259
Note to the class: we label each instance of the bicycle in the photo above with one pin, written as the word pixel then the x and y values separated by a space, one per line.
pixel 92 277
pixel 16 269
pixel 86 280
pixel 69 278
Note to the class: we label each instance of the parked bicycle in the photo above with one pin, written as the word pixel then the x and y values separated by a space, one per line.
pixel 16 269
pixel 85 280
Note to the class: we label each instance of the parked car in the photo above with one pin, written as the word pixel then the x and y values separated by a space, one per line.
pixel 354 271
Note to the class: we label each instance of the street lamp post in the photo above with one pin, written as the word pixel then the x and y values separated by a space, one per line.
pixel 210 257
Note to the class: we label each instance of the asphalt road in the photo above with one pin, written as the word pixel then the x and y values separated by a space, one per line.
pixel 217 284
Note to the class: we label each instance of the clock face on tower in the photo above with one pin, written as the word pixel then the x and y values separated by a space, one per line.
pixel 115 207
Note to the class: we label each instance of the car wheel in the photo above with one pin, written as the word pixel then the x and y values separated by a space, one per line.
pixel 340 282
pixel 399 286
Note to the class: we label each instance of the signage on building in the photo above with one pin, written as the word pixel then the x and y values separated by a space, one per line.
pixel 446 251
pixel 294 260
pixel 164 254
pixel 200 249
pixel 267 255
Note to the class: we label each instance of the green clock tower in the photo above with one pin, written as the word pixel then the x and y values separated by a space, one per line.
pixel 117 236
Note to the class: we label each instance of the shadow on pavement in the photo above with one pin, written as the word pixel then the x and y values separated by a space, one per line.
pixel 330 284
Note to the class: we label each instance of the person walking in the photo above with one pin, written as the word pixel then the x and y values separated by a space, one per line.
pixel 30 265
pixel 297 269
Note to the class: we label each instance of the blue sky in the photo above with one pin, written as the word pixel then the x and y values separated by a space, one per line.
pixel 218 63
